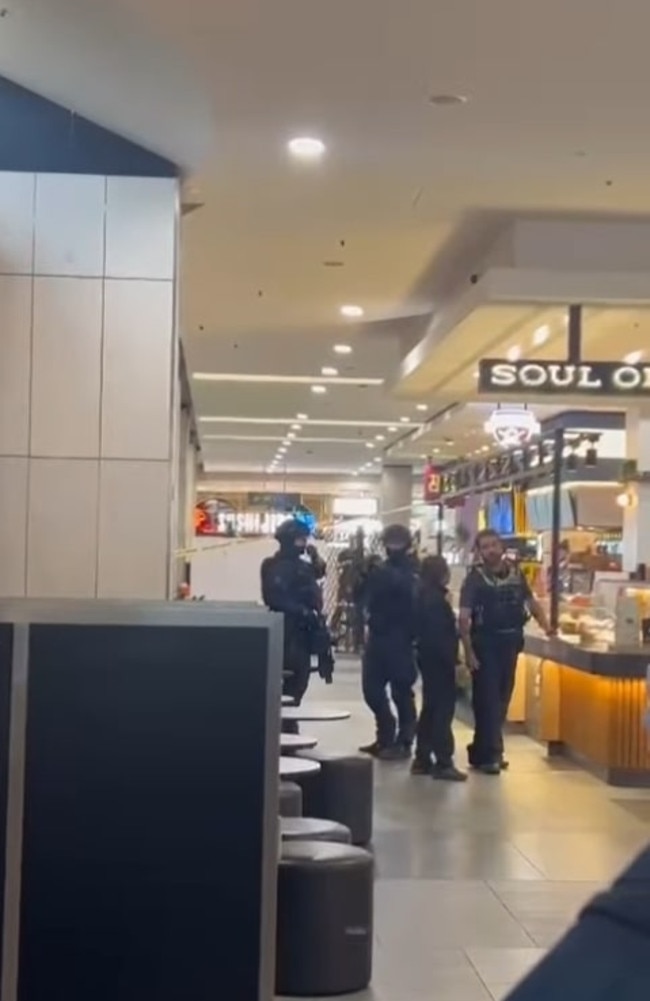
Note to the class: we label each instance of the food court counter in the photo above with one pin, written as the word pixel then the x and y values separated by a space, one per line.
pixel 586 703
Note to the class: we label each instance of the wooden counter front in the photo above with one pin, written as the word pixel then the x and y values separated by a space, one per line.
pixel 589 705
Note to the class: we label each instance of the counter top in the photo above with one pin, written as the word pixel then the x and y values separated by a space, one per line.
pixel 617 662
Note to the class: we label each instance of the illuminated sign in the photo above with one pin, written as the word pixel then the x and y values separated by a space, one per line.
pixel 557 378
pixel 512 426
pixel 432 484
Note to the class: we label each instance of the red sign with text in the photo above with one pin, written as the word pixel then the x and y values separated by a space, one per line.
pixel 432 484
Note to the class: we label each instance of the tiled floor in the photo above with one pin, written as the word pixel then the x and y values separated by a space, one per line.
pixel 474 882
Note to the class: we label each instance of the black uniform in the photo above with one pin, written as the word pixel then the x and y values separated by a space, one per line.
pixel 290 585
pixel 499 606
pixel 606 955
pixel 389 656
pixel 437 656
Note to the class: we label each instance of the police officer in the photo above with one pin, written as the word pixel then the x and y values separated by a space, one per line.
pixel 495 604
pixel 389 656
pixel 290 585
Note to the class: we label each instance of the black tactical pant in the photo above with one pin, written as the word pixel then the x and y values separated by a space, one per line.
pixel 435 735
pixel 297 665
pixel 492 687
pixel 389 662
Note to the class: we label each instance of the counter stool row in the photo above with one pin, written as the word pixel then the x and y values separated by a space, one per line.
pixel 325 879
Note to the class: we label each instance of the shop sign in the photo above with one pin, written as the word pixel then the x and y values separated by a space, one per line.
pixel 512 427
pixel 563 378
pixel 432 484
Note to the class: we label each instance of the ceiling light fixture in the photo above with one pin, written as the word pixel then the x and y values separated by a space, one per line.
pixel 633 358
pixel 342 349
pixel 422 407
pixel 296 427
pixel 306 148
pixel 392 429
pixel 318 390
pixel 302 417
pixel 328 370
pixel 513 353
pixel 405 420
pixel 448 100
pixel 352 312
pixel 370 444
pixel 380 437
pixel 316 421
pixel 329 375
pixel 291 436
pixel 541 335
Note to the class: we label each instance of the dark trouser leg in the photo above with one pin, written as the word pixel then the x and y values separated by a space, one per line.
pixel 509 656
pixel 404 699
pixel 488 707
pixel 297 664
pixel 442 717
pixel 424 745
pixel 374 692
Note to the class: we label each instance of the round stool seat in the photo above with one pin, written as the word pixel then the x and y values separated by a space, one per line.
pixel 313 829
pixel 342 791
pixel 324 929
pixel 290 804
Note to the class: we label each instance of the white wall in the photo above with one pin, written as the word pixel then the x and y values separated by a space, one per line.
pixel 87 348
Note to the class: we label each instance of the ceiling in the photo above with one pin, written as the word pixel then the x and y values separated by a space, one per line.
pixel 407 194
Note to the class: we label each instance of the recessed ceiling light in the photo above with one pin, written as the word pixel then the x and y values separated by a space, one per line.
pixel 370 444
pixel 448 100
pixel 352 312
pixel 392 429
pixel 422 407
pixel 318 390
pixel 436 451
pixel 281 451
pixel 291 436
pixel 405 420
pixel 342 349
pixel 355 472
pixel 513 353
pixel 306 148
pixel 475 373
pixel 541 335
pixel 377 458
pixel 633 358
pixel 302 417
pixel 380 437
pixel 328 370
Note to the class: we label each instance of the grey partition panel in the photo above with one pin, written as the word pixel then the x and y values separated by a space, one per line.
pixel 150 810
pixel 6 654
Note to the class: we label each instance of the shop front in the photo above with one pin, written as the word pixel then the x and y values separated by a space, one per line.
pixel 573 502
pixel 571 498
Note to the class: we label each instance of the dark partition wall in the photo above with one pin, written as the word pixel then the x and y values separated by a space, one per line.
pixel 150 792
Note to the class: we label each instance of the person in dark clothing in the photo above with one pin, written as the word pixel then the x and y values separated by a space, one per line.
pixel 606 955
pixel 437 655
pixel 495 604
pixel 290 585
pixel 388 661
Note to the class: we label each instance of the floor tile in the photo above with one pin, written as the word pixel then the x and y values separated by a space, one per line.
pixel 412 916
pixel 496 967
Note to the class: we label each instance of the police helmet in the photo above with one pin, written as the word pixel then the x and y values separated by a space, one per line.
pixel 397 537
pixel 290 530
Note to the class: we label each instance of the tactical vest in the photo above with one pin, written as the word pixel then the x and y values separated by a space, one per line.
pixel 500 603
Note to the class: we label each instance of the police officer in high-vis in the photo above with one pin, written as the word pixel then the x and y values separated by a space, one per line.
pixel 389 660
pixel 495 604
pixel 290 585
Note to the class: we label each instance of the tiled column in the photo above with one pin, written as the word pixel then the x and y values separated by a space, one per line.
pixel 636 517
pixel 396 497
pixel 87 363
